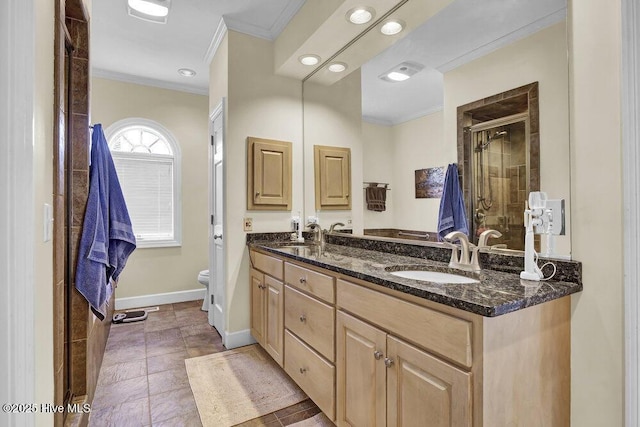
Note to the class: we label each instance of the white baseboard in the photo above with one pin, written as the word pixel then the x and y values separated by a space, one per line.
pixel 159 299
pixel 238 339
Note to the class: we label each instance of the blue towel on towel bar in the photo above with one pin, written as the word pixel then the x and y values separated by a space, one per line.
pixel 107 237
pixel 452 215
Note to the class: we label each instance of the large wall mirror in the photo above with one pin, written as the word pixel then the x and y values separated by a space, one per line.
pixel 406 132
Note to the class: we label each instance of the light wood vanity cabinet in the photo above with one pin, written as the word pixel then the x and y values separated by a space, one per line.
pixel 370 356
pixel 309 321
pixel 385 381
pixel 267 306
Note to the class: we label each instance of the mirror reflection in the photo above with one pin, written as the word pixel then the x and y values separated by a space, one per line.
pixel 457 106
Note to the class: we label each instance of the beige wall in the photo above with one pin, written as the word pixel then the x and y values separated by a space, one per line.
pixel 160 270
pixel 264 105
pixel 597 335
pixel 43 183
pixel 393 154
pixel 541 57
pixel 377 157
pixel 333 117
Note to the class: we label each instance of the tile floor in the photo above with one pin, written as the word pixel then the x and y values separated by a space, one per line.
pixel 143 380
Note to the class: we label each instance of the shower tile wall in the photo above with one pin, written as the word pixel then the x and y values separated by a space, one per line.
pixel 88 336
pixel 505 173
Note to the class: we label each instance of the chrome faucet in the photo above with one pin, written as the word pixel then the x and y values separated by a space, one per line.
pixel 334 225
pixel 462 262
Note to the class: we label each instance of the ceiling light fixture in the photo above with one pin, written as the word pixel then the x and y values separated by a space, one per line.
pixel 309 59
pixel 401 72
pixel 391 27
pixel 186 72
pixel 361 15
pixel 149 10
pixel 337 67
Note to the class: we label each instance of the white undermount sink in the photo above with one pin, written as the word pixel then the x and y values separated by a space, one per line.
pixel 434 276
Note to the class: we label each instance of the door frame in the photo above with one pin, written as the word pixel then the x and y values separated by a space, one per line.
pixel 630 85
pixel 218 112
pixel 17 212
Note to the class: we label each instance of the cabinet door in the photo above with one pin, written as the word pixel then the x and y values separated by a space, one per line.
pixel 361 397
pixel 274 325
pixel 423 390
pixel 269 170
pixel 257 306
pixel 332 177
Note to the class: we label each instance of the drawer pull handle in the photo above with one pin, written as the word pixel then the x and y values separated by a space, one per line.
pixel 303 318
pixel 377 354
pixel 303 280
pixel 388 362
pixel 303 370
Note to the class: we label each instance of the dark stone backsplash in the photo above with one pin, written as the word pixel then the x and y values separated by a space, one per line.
pixel 566 270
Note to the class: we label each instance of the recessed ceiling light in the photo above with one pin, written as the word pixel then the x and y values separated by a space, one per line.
pixel 309 59
pixel 149 10
pixel 186 72
pixel 401 72
pixel 337 67
pixel 391 27
pixel 361 15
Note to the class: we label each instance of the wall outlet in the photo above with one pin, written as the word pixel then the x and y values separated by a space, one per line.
pixel 248 224
pixel 349 222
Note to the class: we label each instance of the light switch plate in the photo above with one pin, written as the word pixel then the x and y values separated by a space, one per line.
pixel 248 224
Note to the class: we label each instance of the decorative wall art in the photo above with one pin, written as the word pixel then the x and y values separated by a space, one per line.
pixel 429 183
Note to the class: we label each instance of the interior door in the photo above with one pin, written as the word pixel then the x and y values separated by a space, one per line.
pixel 217 285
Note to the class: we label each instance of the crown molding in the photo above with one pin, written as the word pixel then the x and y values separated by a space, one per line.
pixel 518 34
pixel 218 36
pixel 144 81
pixel 226 23
pixel 272 33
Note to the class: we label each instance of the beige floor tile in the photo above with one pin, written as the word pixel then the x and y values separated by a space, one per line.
pixel 172 404
pixel 174 379
pixel 120 392
pixel 132 413
pixel 165 362
pixel 173 345
pixel 122 371
pixel 185 420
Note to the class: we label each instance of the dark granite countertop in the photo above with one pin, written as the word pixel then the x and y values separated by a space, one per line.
pixel 496 293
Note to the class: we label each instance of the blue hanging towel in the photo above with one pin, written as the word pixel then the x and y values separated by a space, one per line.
pixel 452 215
pixel 107 237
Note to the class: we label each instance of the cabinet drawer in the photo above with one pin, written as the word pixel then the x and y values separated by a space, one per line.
pixel 437 332
pixel 315 283
pixel 267 264
pixel 311 320
pixel 311 372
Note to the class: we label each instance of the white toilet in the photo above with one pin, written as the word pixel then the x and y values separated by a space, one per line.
pixel 203 278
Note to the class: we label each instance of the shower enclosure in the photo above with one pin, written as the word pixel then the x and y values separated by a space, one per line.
pixel 499 171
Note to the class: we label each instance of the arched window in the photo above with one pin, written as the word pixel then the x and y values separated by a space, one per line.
pixel 147 159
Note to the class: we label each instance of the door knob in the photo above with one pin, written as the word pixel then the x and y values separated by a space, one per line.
pixel 377 354
pixel 388 362
pixel 303 318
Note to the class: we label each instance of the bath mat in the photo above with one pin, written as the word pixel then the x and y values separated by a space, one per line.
pixel 238 385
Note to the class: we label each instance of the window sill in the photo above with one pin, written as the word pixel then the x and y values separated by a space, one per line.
pixel 158 244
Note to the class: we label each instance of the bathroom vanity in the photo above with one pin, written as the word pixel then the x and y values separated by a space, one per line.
pixel 374 349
